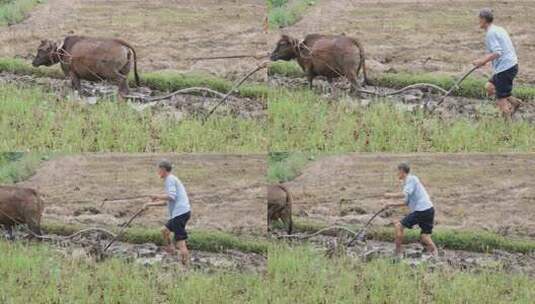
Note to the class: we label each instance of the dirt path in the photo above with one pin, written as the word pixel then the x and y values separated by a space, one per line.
pixel 474 191
pixel 226 191
pixel 165 33
pixel 421 36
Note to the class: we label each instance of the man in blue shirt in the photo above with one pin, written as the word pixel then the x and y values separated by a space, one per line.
pixel 421 208
pixel 502 54
pixel 178 208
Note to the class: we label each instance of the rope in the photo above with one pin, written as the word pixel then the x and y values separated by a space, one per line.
pixel 298 45
pixel 124 228
pixel 258 57
pixel 236 86
pixel 362 232
pixel 318 232
pixel 50 237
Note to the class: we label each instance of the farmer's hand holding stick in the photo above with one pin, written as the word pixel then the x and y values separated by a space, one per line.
pixel 389 195
pixel 158 201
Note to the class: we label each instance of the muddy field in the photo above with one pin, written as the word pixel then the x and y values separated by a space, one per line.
pixel 89 248
pixel 197 104
pixel 227 192
pixel 164 33
pixel 473 192
pixel 410 100
pixel 414 254
pixel 421 36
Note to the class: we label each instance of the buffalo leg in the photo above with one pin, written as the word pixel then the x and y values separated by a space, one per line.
pixel 35 228
pixel 9 230
pixel 123 86
pixel 352 77
pixel 76 84
pixel 123 89
pixel 310 78
pixel 334 92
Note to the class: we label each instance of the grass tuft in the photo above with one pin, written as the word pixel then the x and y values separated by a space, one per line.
pixel 38 274
pixel 18 166
pixel 42 123
pixel 14 11
pixel 283 13
pixel 302 273
pixel 284 166
pixel 302 121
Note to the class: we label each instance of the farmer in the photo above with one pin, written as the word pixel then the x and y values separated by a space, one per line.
pixel 504 63
pixel 177 202
pixel 421 208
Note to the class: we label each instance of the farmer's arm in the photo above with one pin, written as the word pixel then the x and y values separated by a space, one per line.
pixel 485 59
pixel 495 51
pixel 399 195
pixel 408 189
pixel 170 193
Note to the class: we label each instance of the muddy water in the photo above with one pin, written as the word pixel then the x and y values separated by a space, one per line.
pixel 175 107
pixel 411 100
pixel 90 248
pixel 414 255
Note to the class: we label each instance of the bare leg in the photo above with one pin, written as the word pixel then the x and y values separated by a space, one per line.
pixel 430 245
pixel 399 237
pixel 491 89
pixel 184 253
pixel 166 234
pixel 505 106
pixel 515 103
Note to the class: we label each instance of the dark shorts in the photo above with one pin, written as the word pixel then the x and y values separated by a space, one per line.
pixel 178 226
pixel 503 82
pixel 424 219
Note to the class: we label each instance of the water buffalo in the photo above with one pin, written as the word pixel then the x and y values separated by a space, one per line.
pixel 93 59
pixel 279 205
pixel 20 206
pixel 331 56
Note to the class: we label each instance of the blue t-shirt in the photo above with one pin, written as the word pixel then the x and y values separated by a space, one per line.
pixel 178 202
pixel 416 196
pixel 498 41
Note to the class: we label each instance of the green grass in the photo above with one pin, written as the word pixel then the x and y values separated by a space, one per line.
pixel 300 120
pixel 304 274
pixel 283 13
pixel 212 241
pixel 37 274
pixel 16 167
pixel 471 87
pixel 14 11
pixel 173 81
pixel 284 166
pixel 166 80
pixel 33 119
pixel 477 241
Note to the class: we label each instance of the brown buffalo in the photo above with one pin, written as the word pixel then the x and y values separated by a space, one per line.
pixel 331 56
pixel 279 205
pixel 20 206
pixel 93 59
